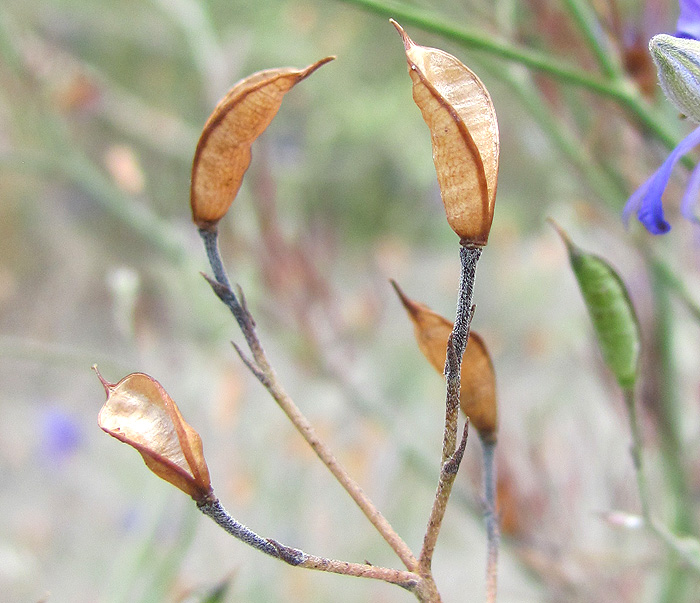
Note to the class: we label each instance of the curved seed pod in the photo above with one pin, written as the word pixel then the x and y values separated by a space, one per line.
pixel 610 309
pixel 223 151
pixel 139 412
pixel 477 396
pixel 464 131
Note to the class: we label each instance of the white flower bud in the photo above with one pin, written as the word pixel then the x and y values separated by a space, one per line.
pixel 678 64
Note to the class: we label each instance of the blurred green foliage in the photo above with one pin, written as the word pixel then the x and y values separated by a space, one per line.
pixel 101 104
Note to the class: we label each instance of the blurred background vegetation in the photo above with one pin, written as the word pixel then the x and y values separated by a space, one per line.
pixel 101 104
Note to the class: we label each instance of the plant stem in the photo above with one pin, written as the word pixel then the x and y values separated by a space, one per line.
pixel 448 473
pixel 492 532
pixel 451 454
pixel 480 40
pixel 618 89
pixel 560 133
pixel 589 25
pixel 673 543
pixel 665 273
pixel 469 256
pixel 211 245
pixel 636 451
pixel 666 408
pixel 298 558
pixel 261 368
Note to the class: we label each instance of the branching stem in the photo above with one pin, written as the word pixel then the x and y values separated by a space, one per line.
pixel 451 455
pixel 268 378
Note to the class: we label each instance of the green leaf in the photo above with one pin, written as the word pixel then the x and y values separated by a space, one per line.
pixel 610 309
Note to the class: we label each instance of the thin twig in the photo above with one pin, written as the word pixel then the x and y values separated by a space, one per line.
pixel 448 473
pixel 268 378
pixel 299 558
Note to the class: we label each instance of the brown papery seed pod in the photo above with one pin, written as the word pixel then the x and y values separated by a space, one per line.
pixel 477 396
pixel 223 152
pixel 139 412
pixel 462 121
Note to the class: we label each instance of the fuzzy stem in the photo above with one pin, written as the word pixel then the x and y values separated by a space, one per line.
pixel 298 558
pixel 451 455
pixel 491 517
pixel 469 257
pixel 216 511
pixel 268 378
pixel 211 245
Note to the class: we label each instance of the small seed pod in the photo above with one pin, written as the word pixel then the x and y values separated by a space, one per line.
pixel 223 152
pixel 610 309
pixel 462 120
pixel 477 397
pixel 139 412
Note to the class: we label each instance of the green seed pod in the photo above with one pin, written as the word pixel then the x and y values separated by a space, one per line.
pixel 610 309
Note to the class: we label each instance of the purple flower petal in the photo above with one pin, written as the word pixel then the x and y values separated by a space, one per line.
pixel 646 200
pixel 688 25
pixel 690 196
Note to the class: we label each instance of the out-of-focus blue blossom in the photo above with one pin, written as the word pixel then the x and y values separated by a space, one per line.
pixel 678 63
pixel 60 435
pixel 688 25
pixel 646 200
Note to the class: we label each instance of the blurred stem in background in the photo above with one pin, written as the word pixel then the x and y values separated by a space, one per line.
pixel 678 586
pixel 616 87
pixel 59 157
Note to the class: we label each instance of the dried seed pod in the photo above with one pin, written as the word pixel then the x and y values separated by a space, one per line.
pixel 223 152
pixel 610 309
pixel 477 396
pixel 464 131
pixel 139 412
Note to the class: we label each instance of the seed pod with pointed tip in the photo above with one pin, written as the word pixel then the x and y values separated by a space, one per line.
pixel 223 152
pixel 458 110
pixel 477 397
pixel 610 309
pixel 139 412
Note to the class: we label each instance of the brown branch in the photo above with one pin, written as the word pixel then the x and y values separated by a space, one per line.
pixel 264 372
pixel 298 558
pixel 448 473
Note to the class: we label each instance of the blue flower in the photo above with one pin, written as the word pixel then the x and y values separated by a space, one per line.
pixel 646 200
pixel 688 25
pixel 678 62
pixel 61 435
